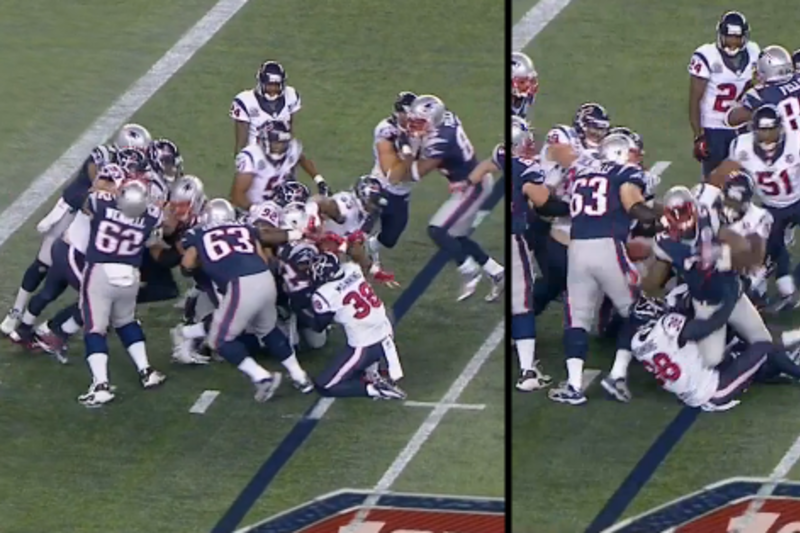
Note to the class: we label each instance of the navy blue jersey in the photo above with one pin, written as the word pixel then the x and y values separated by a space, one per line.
pixel 226 251
pixel 114 237
pixel 522 171
pixel 295 278
pixel 786 96
pixel 595 206
pixel 521 105
pixel 450 144
pixel 77 190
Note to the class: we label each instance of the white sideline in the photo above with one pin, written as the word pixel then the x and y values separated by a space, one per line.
pixel 45 185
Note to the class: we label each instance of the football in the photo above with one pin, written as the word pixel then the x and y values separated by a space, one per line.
pixel 638 249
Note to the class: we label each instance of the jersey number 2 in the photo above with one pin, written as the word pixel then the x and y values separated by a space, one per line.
pixel 217 248
pixel 726 94
pixel 364 300
pixel 597 204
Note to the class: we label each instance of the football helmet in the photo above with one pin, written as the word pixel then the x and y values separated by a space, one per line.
pixel 524 78
pixel 301 255
pixel 370 193
pixel 522 139
pixel 733 33
pixel 266 213
pixel 113 173
pixel 737 193
pixel 680 214
pixel 218 211
pixel 295 217
pixel 620 148
pixel 647 308
pixel 592 123
pixel 132 198
pixel 425 114
pixel 187 197
pixel 291 192
pixel 774 65
pixel 768 133
pixel 637 153
pixel 401 106
pixel 271 80
pixel 164 158
pixel 133 161
pixel 132 136
pixel 274 140
pixel 325 267
pixel 796 60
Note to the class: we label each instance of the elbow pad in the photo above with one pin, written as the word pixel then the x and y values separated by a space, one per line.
pixel 641 212
pixel 554 207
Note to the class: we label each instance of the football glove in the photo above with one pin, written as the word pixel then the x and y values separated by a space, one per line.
pixel 700 147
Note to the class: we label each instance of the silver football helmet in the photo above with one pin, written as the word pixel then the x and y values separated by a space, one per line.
pixel 524 78
pixel 295 217
pixel 681 213
pixel 522 141
pixel 187 197
pixel 774 65
pixel 133 198
pixel 796 59
pixel 132 136
pixel 425 114
pixel 112 173
pixel 618 148
pixel 218 211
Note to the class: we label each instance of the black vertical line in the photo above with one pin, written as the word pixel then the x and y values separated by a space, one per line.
pixel 509 366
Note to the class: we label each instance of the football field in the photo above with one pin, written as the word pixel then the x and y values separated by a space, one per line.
pixel 586 468
pixel 145 463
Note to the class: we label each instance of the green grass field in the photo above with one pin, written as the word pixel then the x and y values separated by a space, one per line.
pixel 567 462
pixel 144 463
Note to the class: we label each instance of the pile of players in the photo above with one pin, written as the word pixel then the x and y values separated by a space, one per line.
pixel 583 206
pixel 269 266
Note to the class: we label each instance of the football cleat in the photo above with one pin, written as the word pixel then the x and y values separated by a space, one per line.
pixel 783 303
pixel 498 286
pixel 150 378
pixel 51 344
pixel 566 393
pixel 183 349
pixel 532 379
pixel 469 283
pixel 265 389
pixel 617 389
pixel 388 390
pixel 305 385
pixel 97 395
pixel 10 322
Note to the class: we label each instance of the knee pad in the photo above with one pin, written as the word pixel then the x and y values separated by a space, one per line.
pixel 130 334
pixel 523 326
pixel 576 343
pixel 95 343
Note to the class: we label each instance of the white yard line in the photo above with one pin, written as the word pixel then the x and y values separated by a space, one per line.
pixel 204 402
pixel 779 473
pixel 45 185
pixel 433 405
pixel 534 21
pixel 589 375
pixel 659 167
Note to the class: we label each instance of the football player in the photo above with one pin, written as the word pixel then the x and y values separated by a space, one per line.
pixel 343 295
pixel 165 159
pixel 771 154
pixel 269 103
pixel 60 217
pixel 777 84
pixel 121 227
pixel 719 73
pixel 524 84
pixel 436 140
pixel 270 161
pixel 606 195
pixel 394 215
pixel 796 60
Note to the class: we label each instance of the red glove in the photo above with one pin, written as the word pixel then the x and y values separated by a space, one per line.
pixel 357 237
pixel 331 242
pixel 700 147
pixel 386 278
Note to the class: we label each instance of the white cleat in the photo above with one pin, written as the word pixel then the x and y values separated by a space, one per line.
pixel 150 378
pixel 469 283
pixel 183 349
pixel 97 395
pixel 533 379
pixel 265 389
pixel 10 322
pixel 304 385
pixel 498 286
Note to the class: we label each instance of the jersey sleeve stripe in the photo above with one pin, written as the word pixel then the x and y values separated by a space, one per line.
pixel 702 58
pixel 241 104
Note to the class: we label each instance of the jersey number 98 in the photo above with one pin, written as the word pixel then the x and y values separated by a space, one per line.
pixel 595 204
pixel 217 247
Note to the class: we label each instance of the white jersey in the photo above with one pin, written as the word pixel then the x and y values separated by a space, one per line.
pixel 247 107
pixel 756 221
pixel 710 198
pixel 724 87
pixel 267 174
pixel 351 210
pixel 777 183
pixel 355 306
pixel 387 130
pixel 679 369
pixel 79 231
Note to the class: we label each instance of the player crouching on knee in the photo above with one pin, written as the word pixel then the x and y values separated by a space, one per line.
pixel 342 294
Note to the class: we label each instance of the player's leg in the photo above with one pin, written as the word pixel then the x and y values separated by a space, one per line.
pixel 158 283
pixel 343 377
pixel 747 322
pixel 711 347
pixel 274 340
pixel 96 301
pixel 736 374
pixel 523 318
pixel 393 219
pixel 553 282
pixel 619 281
pixel 777 253
pixel 131 334
pixel 188 338
pixel 57 331
pixel 235 311
pixel 583 294
pixel 719 142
